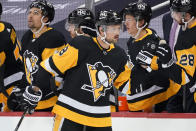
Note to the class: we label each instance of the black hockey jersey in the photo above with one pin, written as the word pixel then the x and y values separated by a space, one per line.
pixel 10 55
pixel 90 73
pixel 185 52
pixel 36 50
pixel 147 88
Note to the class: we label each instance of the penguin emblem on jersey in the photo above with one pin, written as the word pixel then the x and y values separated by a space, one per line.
pixel 101 78
pixel 31 66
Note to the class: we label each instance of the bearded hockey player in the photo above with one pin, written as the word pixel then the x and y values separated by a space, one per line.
pixel 92 65
pixel 39 43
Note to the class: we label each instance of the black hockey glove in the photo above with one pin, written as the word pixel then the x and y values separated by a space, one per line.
pixel 161 57
pixel 147 56
pixel 14 100
pixel 164 53
pixel 30 99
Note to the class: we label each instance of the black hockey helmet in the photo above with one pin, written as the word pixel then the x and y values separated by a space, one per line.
pixel 84 18
pixel 46 7
pixel 79 15
pixel 108 18
pixel 187 6
pixel 139 10
pixel 1 10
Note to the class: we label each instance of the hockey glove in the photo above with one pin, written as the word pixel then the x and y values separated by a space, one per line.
pixel 164 53
pixel 30 99
pixel 146 57
pixel 155 59
pixel 14 100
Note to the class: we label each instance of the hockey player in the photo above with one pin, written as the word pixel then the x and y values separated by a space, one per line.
pixel 147 87
pixel 92 65
pixel 39 43
pixel 181 68
pixel 72 26
pixel 184 14
pixel 10 61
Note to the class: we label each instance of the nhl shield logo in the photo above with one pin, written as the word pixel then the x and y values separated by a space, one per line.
pixel 101 78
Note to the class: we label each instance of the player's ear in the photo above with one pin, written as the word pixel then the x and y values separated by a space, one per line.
pixel 141 23
pixel 101 30
pixel 45 19
pixel 80 31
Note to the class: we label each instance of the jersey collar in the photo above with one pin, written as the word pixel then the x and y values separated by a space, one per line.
pixel 193 25
pixel 149 32
pixel 110 48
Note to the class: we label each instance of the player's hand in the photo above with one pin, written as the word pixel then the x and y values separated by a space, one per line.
pixel 163 51
pixel 146 57
pixel 30 98
pixel 14 100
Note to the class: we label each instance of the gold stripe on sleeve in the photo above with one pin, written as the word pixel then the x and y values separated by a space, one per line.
pixel 2 58
pixel 66 58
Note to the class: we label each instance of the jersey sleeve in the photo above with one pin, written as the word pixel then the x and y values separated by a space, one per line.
pixel 55 43
pixel 62 61
pixel 179 75
pixel 123 80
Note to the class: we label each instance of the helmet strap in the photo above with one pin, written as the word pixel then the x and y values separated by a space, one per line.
pixel 139 29
pixel 78 34
pixel 184 27
pixel 103 38
pixel 42 26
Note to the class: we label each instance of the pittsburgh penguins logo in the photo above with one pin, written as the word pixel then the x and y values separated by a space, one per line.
pixel 130 63
pixel 101 78
pixel 31 66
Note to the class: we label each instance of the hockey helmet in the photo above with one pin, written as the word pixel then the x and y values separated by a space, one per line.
pixel 187 6
pixel 139 10
pixel 46 7
pixel 79 15
pixel 108 18
pixel 83 18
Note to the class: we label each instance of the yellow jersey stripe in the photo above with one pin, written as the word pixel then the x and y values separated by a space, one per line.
pixel 81 119
pixel 149 102
pixel 46 103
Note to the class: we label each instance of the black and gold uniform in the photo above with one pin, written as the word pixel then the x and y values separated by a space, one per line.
pixel 10 60
pixel 147 88
pixel 90 73
pixel 36 50
pixel 185 52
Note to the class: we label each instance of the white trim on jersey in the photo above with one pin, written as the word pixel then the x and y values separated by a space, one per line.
pixel 83 107
pixel 58 79
pixel 144 93
pixel 13 78
pixel 47 66
pixel 126 88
